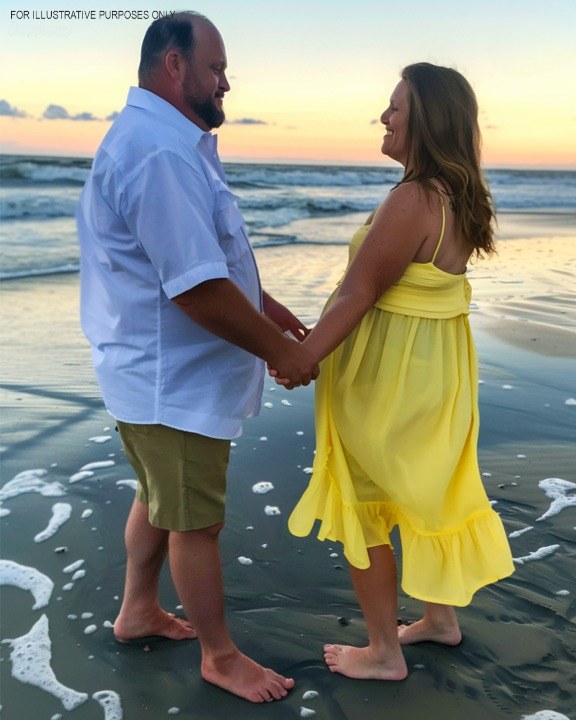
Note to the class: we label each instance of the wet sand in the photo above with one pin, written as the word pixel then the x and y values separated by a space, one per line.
pixel 519 649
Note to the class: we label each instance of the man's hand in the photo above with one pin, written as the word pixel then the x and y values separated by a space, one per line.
pixel 287 382
pixel 295 367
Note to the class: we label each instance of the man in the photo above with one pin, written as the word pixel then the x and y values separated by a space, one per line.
pixel 172 306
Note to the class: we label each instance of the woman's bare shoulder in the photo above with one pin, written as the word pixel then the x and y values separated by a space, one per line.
pixel 407 199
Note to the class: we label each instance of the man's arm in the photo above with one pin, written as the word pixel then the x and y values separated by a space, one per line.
pixel 220 307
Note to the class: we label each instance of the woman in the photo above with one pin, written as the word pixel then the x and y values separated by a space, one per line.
pixel 397 403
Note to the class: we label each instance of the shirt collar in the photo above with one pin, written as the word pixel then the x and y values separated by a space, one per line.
pixel 149 101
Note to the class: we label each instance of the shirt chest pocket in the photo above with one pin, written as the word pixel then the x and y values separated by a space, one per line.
pixel 228 218
pixel 230 227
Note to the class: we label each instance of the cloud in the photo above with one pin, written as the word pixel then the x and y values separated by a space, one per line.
pixel 112 116
pixel 11 110
pixel 57 112
pixel 247 121
pixel 85 116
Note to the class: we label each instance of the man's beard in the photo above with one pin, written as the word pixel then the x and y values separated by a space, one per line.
pixel 212 115
pixel 205 109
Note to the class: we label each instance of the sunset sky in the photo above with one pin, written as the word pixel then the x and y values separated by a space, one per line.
pixel 309 77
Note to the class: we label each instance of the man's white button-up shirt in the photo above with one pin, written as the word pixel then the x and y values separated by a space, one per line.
pixel 155 219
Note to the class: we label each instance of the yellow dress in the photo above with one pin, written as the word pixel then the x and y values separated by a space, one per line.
pixel 396 441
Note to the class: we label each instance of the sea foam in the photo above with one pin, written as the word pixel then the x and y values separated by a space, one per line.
pixel 31 481
pixel 73 566
pixel 82 475
pixel 537 554
pixel 558 490
pixel 306 712
pixel 517 533
pixel 262 487
pixel 110 702
pixel 545 715
pixel 27 578
pixel 98 465
pixel 130 483
pixel 31 655
pixel 61 513
pixel 310 695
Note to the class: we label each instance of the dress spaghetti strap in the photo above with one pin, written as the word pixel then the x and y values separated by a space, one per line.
pixel 441 232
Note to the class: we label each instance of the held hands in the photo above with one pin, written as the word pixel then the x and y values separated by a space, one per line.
pixel 291 379
pixel 283 381
pixel 294 365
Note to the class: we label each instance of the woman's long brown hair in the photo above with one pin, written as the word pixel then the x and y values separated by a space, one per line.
pixel 445 142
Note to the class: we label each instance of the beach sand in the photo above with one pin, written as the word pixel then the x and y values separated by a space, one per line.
pixel 519 649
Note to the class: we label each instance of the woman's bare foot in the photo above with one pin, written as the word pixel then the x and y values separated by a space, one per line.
pixel 426 631
pixel 159 623
pixel 241 676
pixel 363 663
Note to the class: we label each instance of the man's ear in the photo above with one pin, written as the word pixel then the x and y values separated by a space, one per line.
pixel 175 65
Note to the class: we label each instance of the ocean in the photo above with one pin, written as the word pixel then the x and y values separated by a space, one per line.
pixel 282 204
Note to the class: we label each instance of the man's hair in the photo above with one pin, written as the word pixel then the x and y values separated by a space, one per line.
pixel 444 143
pixel 166 33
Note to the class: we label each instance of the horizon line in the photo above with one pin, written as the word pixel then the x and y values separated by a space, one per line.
pixel 297 161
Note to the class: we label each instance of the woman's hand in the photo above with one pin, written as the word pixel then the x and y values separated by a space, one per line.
pixel 285 382
pixel 286 320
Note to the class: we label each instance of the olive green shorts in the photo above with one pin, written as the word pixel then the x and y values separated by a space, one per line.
pixel 181 475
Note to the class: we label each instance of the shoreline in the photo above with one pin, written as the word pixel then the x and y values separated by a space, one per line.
pixel 511 225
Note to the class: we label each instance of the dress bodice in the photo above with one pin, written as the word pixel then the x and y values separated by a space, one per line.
pixel 424 290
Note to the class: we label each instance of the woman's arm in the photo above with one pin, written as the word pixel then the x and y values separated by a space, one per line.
pixel 396 233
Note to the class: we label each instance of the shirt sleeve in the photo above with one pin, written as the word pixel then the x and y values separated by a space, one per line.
pixel 169 209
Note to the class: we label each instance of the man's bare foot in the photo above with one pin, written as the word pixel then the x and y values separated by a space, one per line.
pixel 426 631
pixel 363 663
pixel 241 676
pixel 159 624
